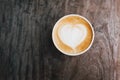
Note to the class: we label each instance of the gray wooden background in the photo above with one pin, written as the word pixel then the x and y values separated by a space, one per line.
pixel 27 51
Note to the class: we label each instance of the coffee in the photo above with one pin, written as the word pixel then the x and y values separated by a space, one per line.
pixel 72 34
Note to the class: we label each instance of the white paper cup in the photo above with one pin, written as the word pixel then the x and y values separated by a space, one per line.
pixel 74 54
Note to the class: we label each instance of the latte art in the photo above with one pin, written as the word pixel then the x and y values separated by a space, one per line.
pixel 72 34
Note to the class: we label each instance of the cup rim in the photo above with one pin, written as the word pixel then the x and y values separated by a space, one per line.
pixel 75 54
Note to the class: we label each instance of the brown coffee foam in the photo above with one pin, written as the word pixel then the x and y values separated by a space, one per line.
pixel 73 20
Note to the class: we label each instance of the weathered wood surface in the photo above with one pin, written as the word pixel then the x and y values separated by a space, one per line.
pixel 27 51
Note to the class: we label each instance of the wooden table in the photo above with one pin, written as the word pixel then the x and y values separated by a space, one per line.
pixel 27 51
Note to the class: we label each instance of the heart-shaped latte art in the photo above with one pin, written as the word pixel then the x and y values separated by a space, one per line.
pixel 72 35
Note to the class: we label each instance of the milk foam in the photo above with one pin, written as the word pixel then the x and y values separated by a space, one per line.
pixel 72 35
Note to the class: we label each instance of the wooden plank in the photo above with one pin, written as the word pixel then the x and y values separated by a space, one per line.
pixel 27 51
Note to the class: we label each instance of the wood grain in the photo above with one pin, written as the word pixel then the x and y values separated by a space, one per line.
pixel 27 51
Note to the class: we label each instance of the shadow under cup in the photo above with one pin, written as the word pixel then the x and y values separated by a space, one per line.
pixel 73 35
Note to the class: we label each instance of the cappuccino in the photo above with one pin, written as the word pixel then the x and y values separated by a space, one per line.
pixel 72 34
